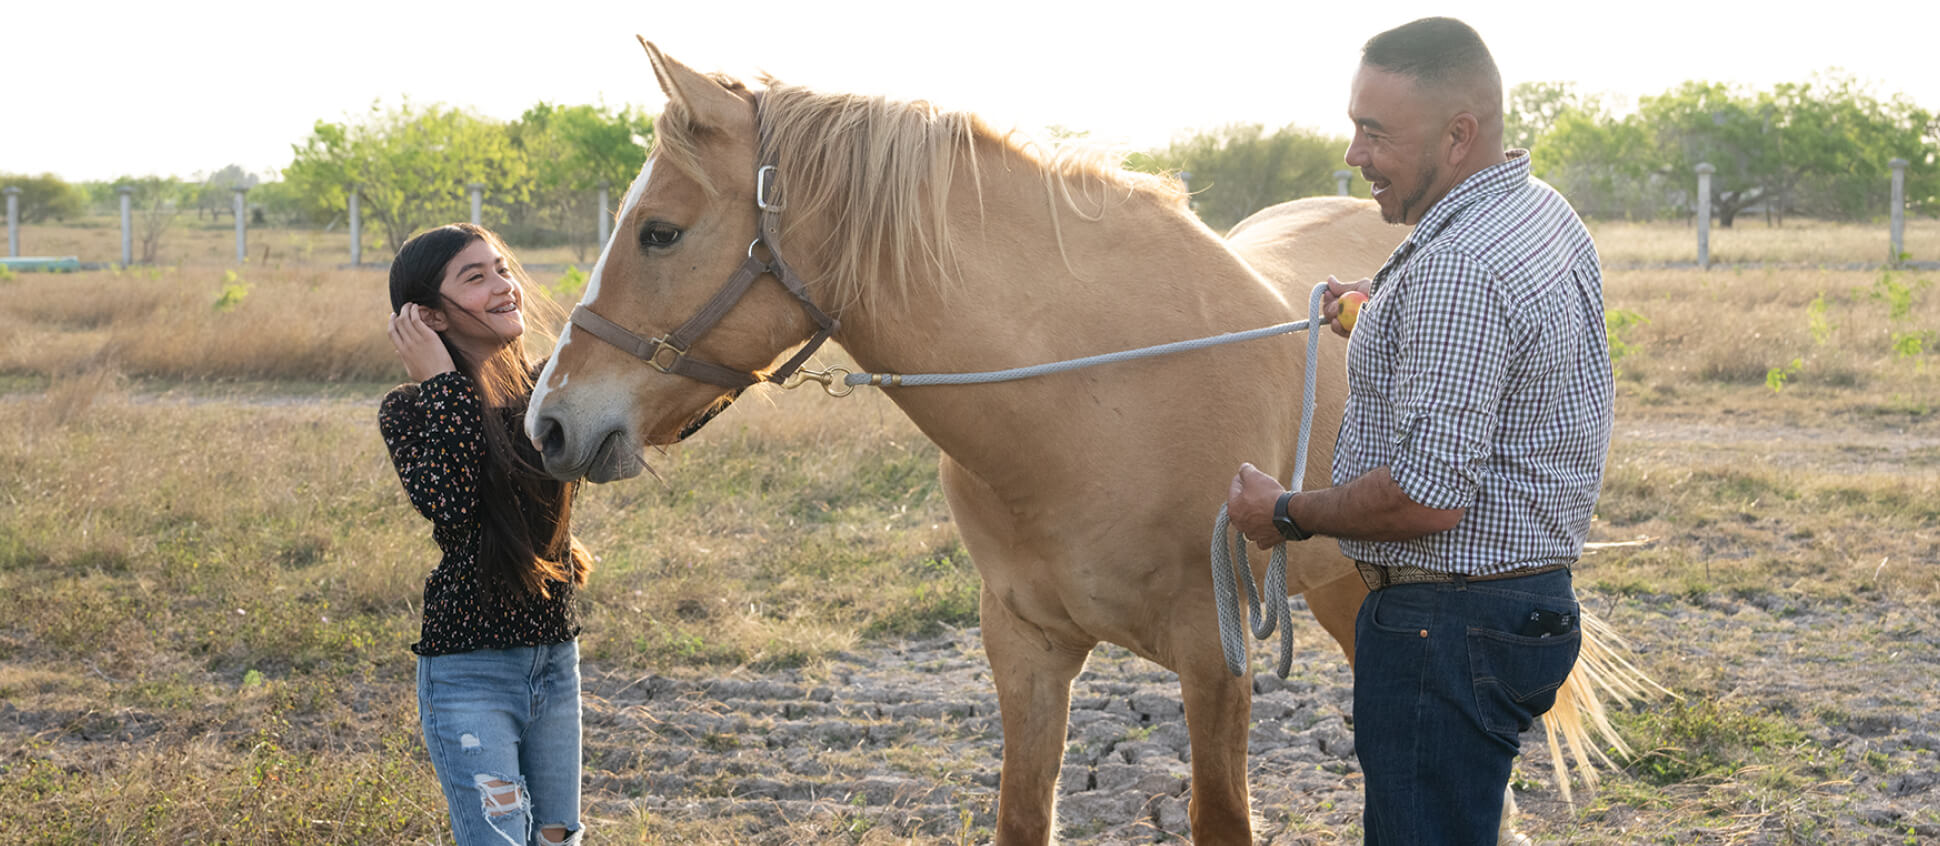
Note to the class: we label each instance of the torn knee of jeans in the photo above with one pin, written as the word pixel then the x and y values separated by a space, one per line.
pixel 501 797
pixel 566 836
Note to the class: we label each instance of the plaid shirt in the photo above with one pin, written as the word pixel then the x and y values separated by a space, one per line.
pixel 1480 376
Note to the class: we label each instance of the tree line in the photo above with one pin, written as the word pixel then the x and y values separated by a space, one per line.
pixel 1818 148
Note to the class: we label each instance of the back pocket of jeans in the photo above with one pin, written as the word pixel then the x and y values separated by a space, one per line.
pixel 1516 677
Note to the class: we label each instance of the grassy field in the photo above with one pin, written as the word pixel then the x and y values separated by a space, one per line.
pixel 209 574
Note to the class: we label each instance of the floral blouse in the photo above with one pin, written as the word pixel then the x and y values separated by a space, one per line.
pixel 435 434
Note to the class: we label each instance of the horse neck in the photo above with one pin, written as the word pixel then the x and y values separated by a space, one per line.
pixel 1037 280
pixel 1141 273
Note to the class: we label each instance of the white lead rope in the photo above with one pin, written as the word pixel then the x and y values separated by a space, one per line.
pixel 1278 612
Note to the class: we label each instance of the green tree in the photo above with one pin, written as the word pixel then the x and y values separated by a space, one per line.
pixel 1835 142
pixel 1706 122
pixel 1240 169
pixel 45 197
pixel 1605 165
pixel 1531 109
pixel 412 166
pixel 215 196
pixel 570 151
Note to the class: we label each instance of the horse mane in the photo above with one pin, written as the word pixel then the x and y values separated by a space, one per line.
pixel 879 172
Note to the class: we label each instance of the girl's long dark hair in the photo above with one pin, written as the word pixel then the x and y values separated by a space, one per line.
pixel 526 541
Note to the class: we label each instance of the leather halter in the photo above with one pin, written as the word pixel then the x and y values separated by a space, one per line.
pixel 669 353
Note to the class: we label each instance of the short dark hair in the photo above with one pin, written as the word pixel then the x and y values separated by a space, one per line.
pixel 1433 52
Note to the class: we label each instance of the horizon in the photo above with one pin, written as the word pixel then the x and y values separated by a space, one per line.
pixel 1127 81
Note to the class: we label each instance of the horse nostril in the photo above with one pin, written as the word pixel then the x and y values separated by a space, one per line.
pixel 550 438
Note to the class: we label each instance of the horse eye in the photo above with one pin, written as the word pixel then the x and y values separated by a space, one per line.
pixel 657 234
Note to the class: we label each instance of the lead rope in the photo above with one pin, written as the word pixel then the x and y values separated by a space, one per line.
pixel 1278 613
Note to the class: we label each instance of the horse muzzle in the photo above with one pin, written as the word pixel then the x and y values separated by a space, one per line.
pixel 609 457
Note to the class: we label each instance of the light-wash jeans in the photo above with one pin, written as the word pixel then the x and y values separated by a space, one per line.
pixel 511 716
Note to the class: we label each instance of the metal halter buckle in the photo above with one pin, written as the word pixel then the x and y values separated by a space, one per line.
pixel 763 180
pixel 662 345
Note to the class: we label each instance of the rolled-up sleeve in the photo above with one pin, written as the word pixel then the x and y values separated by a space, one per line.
pixel 1454 346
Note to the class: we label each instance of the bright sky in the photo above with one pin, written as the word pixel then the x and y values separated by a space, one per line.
pixel 96 90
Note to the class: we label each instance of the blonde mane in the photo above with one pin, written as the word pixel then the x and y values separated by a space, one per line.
pixel 878 171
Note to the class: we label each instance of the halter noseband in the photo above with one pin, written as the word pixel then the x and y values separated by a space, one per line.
pixel 669 353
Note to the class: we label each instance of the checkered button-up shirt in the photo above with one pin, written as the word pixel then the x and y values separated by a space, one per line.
pixel 1479 375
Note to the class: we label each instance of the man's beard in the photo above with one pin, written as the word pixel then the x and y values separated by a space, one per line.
pixel 1428 178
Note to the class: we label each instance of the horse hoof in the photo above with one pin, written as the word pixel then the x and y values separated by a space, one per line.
pixel 1511 837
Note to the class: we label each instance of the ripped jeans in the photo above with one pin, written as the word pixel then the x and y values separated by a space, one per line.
pixel 502 727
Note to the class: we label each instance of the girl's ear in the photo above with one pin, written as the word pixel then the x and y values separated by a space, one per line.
pixel 433 318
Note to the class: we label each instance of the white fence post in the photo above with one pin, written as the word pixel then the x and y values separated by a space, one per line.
pixel 1899 210
pixel 1340 179
pixel 1704 171
pixel 478 200
pixel 127 193
pixel 356 230
pixel 242 250
pixel 606 217
pixel 13 222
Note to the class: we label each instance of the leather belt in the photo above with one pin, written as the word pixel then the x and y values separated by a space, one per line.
pixel 1378 576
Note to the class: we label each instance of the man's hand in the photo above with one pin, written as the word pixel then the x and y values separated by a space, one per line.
pixel 423 351
pixel 1249 505
pixel 1330 306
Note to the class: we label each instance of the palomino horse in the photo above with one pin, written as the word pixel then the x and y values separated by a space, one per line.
pixel 1086 499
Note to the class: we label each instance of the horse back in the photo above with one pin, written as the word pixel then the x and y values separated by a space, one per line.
pixel 1299 243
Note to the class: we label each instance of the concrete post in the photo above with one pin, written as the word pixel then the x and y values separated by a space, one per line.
pixel 1900 210
pixel 356 231
pixel 606 216
pixel 242 250
pixel 478 200
pixel 1340 179
pixel 127 192
pixel 13 222
pixel 1704 171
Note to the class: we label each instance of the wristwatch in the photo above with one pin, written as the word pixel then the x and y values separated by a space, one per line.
pixel 1284 522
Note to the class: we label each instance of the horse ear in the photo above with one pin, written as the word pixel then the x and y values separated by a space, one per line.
pixel 707 104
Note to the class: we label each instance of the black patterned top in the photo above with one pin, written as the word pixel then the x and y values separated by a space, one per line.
pixel 435 433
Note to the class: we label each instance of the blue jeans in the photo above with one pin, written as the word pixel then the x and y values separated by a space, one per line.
pixel 502 727
pixel 1443 684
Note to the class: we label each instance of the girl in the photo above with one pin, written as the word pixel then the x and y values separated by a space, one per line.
pixel 498 664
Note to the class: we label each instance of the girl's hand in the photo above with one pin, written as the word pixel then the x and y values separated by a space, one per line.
pixel 423 351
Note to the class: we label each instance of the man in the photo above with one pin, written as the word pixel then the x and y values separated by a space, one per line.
pixel 1472 447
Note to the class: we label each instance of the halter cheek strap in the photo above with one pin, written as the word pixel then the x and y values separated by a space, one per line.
pixel 669 353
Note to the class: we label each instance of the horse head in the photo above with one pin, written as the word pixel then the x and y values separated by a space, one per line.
pixel 683 309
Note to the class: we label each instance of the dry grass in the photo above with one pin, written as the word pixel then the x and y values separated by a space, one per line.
pixel 191 242
pixel 1753 241
pixel 207 593
pixel 1750 240
pixel 202 323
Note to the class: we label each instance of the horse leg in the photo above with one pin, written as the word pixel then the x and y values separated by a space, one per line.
pixel 1219 710
pixel 1335 604
pixel 1033 671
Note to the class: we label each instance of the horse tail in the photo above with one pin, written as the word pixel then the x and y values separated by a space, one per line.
pixel 1578 719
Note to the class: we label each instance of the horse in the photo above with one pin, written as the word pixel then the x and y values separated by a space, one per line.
pixel 923 240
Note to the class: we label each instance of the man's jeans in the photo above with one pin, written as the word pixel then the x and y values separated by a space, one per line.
pixel 1444 680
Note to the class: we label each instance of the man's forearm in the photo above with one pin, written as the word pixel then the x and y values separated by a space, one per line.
pixel 1371 508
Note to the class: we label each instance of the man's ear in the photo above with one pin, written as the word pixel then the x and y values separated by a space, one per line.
pixel 1462 132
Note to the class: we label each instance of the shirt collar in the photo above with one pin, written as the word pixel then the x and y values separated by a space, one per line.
pixel 1487 182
